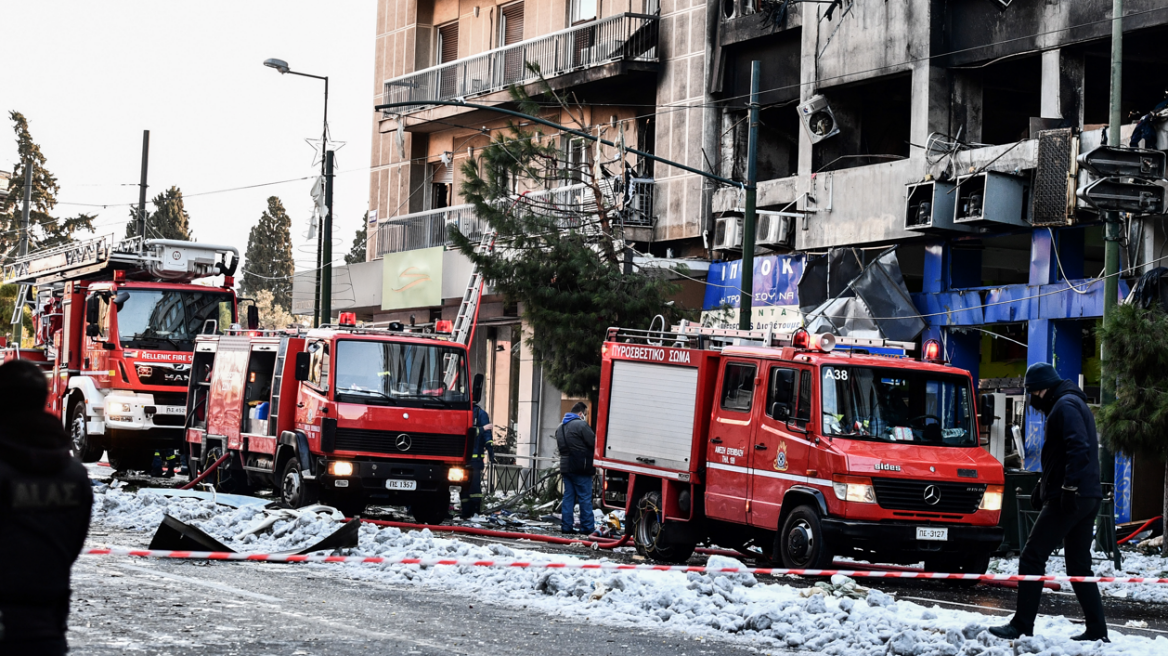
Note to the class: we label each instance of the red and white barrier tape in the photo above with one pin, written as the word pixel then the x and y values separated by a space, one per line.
pixel 605 566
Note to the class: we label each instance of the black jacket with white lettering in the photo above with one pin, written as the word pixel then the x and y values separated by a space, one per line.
pixel 45 503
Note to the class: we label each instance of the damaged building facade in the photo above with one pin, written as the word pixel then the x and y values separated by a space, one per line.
pixel 947 129
pixel 950 130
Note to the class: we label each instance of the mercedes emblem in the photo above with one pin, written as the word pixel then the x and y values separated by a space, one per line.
pixel 403 443
pixel 932 493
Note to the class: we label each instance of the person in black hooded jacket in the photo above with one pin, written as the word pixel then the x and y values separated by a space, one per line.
pixel 1068 496
pixel 45 503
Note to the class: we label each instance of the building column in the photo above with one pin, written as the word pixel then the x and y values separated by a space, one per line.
pixel 1039 342
pixel 1062 87
pixel 530 378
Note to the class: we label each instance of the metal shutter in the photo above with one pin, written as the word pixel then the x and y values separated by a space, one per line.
pixel 512 23
pixel 651 414
pixel 448 43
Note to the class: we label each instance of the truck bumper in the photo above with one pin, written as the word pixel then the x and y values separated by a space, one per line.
pixel 138 412
pixel 369 478
pixel 894 537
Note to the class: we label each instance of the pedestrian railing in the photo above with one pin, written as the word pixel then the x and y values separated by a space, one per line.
pixel 624 37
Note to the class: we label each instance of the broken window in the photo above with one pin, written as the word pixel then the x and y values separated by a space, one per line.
pixel 874 119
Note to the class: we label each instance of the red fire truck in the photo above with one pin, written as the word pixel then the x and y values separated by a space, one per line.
pixel 344 414
pixel 115 324
pixel 789 445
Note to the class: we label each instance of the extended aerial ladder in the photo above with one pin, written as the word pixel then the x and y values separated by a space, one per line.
pixel 468 310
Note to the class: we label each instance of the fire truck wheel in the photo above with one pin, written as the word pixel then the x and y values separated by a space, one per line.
pixel 84 447
pixel 800 542
pixel 294 490
pixel 431 509
pixel 647 533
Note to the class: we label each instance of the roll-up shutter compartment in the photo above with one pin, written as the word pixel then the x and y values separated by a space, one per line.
pixel 651 414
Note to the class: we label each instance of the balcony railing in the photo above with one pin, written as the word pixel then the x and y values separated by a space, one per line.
pixel 624 37
pixel 573 206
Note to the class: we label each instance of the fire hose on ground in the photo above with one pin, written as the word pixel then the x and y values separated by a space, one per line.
pixel 206 472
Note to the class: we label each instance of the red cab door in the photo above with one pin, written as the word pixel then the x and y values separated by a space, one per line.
pixel 728 452
pixel 780 451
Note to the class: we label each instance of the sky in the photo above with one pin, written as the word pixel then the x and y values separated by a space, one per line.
pixel 91 76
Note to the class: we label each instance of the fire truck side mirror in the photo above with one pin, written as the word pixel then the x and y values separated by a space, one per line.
pixel 302 366
pixel 477 388
pixel 253 317
pixel 92 330
pixel 985 410
pixel 91 313
pixel 780 411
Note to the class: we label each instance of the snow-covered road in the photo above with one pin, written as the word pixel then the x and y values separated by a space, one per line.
pixel 734 609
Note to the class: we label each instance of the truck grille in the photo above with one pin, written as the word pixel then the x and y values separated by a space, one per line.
pixel 392 442
pixel 167 398
pixel 901 494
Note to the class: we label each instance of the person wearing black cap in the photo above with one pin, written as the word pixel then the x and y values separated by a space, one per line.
pixel 45 504
pixel 1068 497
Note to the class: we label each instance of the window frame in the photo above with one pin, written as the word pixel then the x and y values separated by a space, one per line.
pixel 753 367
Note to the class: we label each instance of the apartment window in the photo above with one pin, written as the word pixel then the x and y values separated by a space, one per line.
pixel 511 24
pixel 441 184
pixel 583 10
pixel 447 51
pixel 510 32
pixel 576 161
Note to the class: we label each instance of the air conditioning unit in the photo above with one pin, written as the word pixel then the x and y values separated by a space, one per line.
pixel 929 205
pixel 773 230
pixel 818 119
pixel 990 198
pixel 728 233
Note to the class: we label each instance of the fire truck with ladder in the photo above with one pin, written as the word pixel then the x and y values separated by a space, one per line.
pixel 115 324
pixel 345 414
pixel 800 446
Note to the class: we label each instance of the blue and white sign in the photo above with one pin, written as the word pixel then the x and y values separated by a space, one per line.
pixel 775 303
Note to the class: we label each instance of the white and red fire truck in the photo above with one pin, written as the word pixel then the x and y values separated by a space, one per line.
pixel 115 324
pixel 344 414
pixel 788 445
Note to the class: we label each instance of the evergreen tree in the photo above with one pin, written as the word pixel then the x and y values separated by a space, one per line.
pixel 8 294
pixel 562 263
pixel 1137 367
pixel 357 252
pixel 268 262
pixel 45 230
pixel 169 220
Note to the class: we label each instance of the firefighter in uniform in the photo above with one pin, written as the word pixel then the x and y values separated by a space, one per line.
pixel 45 503
pixel 472 494
pixel 166 463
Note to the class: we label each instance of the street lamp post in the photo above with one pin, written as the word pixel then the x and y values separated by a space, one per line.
pixel 282 66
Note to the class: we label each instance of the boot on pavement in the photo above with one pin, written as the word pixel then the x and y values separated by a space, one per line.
pixel 1007 632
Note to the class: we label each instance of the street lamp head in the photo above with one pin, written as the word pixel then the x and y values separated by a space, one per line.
pixel 278 64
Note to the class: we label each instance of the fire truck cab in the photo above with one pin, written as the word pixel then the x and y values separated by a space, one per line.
pixel 341 414
pixel 796 448
pixel 114 327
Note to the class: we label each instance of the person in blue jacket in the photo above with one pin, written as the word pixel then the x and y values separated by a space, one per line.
pixel 1068 497
pixel 484 447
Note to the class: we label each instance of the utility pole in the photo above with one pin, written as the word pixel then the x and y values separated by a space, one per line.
pixel 22 249
pixel 325 271
pixel 324 172
pixel 746 293
pixel 142 187
pixel 1111 220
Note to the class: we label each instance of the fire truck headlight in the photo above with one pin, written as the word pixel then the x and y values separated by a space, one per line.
pixel 856 489
pixel 456 475
pixel 992 499
pixel 118 408
pixel 340 468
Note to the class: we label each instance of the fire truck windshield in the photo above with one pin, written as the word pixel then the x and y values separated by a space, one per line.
pixel 392 373
pixel 897 405
pixel 169 319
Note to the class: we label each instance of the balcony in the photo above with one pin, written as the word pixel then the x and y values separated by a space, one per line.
pixel 621 38
pixel 574 205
